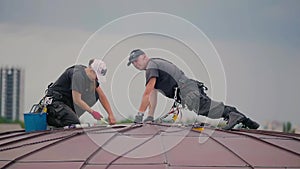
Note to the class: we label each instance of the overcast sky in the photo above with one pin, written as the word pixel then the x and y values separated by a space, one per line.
pixel 257 41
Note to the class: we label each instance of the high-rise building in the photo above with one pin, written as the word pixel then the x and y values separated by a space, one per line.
pixel 11 92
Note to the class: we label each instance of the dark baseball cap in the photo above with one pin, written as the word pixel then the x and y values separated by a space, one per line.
pixel 134 55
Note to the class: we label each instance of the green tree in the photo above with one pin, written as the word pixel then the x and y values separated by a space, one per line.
pixel 5 120
pixel 287 127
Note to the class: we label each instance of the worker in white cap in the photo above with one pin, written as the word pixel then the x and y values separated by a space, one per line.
pixel 75 92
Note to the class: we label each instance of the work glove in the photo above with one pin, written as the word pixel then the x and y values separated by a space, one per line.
pixel 149 119
pixel 96 115
pixel 139 118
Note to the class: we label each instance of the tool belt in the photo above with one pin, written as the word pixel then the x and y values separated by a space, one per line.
pixel 191 91
pixel 54 94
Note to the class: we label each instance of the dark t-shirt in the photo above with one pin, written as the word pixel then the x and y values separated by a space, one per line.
pixel 167 75
pixel 75 78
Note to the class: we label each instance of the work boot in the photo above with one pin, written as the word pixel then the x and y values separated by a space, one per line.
pixel 233 119
pixel 149 119
pixel 139 118
pixel 250 123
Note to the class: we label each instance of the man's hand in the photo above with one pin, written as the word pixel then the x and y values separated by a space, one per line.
pixel 139 117
pixel 111 120
pixel 97 115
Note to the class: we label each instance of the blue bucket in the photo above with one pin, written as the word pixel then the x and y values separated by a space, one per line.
pixel 35 121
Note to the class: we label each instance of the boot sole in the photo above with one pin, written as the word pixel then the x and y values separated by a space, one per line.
pixel 239 120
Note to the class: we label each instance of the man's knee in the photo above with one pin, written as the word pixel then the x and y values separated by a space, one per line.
pixel 60 115
pixel 70 118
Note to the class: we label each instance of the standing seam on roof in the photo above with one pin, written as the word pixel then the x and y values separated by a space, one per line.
pixel 120 156
pixel 256 138
pixel 86 162
pixel 27 154
pixel 248 164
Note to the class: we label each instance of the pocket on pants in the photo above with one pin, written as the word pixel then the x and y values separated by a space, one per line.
pixel 56 110
pixel 192 101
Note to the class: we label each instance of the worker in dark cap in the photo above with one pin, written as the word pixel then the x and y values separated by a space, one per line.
pixel 165 77
pixel 75 92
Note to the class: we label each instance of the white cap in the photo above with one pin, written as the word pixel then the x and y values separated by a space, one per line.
pixel 100 68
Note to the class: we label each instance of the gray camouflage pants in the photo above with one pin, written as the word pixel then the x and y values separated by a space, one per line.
pixel 195 99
